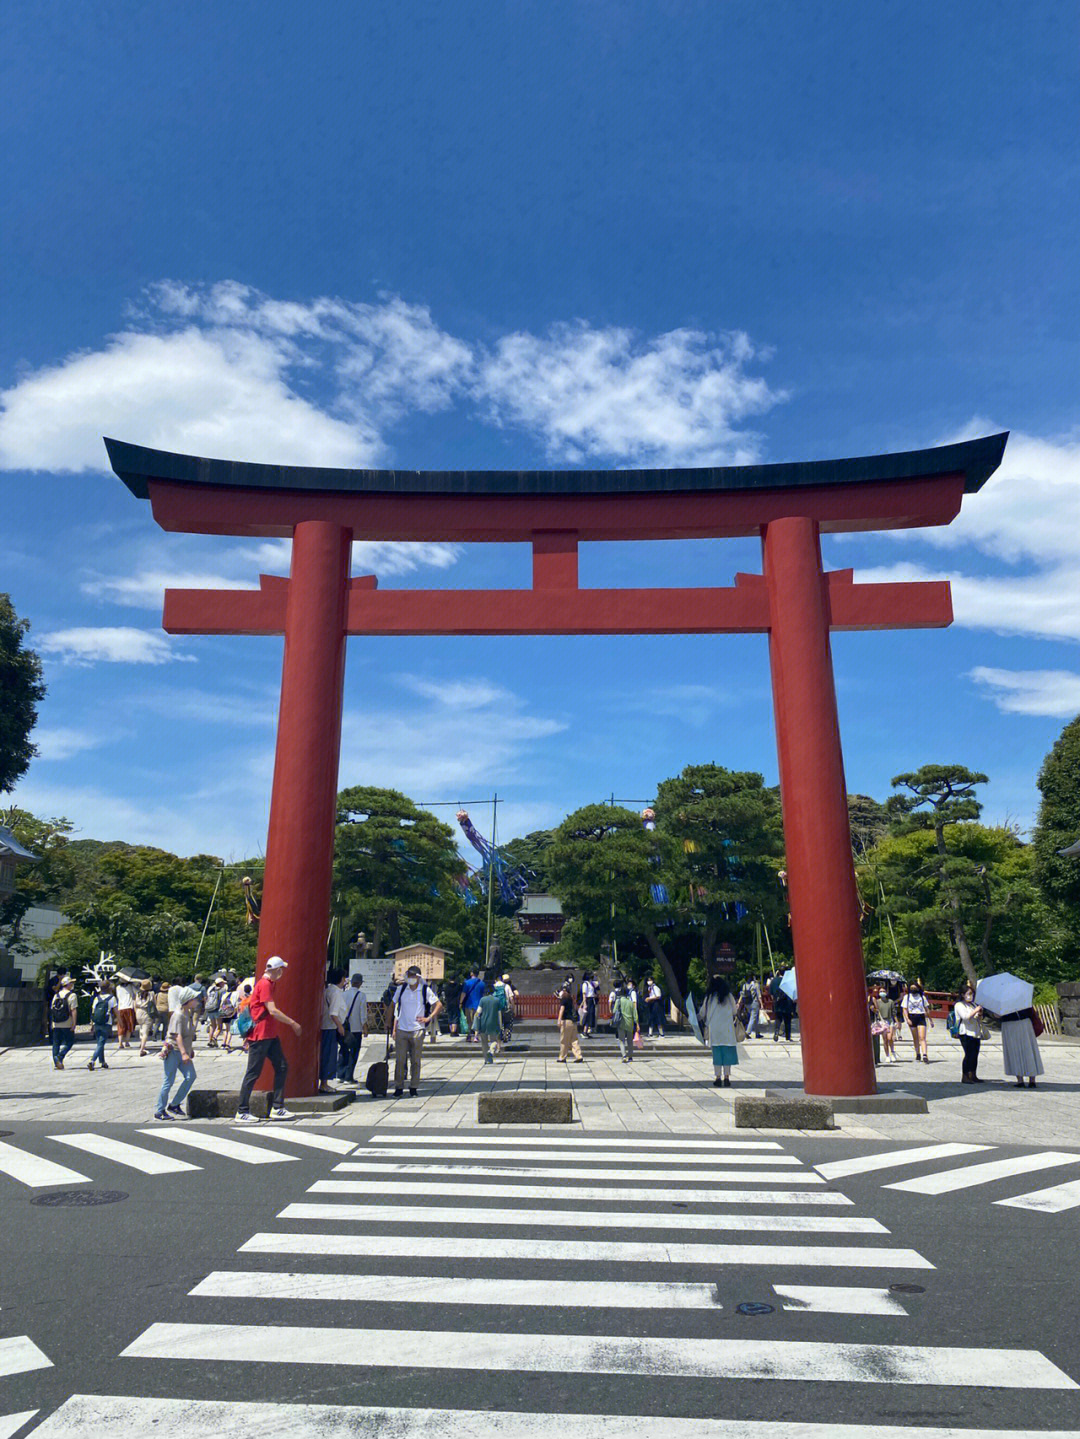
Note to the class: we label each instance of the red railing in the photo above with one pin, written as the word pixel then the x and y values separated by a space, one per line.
pixel 546 1006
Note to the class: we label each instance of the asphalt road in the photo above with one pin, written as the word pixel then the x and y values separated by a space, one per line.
pixel 547 1338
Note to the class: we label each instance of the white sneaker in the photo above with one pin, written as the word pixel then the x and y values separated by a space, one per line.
pixel 282 1113
pixel 244 1117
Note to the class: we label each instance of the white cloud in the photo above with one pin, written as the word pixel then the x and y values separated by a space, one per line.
pixel 1045 603
pixel 1032 692
pixel 118 645
pixel 59 742
pixel 223 393
pixel 471 732
pixel 145 588
pixel 606 393
pixel 226 371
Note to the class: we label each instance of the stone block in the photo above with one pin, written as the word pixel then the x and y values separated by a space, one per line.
pixel 1069 1007
pixel 221 1103
pixel 519 1107
pixel 895 1101
pixel 783 1111
pixel 1069 989
pixel 1071 1027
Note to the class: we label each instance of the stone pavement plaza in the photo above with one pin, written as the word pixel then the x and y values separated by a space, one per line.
pixel 668 1088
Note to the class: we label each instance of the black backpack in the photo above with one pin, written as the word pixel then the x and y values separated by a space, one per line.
pixel 59 1010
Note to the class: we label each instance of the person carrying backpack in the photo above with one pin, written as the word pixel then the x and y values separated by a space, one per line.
pixel 101 1013
pixel 624 1016
pixel 62 1015
pixel 415 1005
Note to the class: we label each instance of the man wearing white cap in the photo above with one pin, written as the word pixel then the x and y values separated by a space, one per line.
pixel 265 1044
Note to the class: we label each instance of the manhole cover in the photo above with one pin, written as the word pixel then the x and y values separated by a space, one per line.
pixel 907 1289
pixel 753 1308
pixel 78 1198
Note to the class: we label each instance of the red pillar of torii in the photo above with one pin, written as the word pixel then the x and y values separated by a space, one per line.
pixel 795 602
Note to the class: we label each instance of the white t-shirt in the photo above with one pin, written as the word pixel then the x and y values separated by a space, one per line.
pixel 355 1009
pixel 588 989
pixel 125 997
pixel 411 1005
pixel 334 1007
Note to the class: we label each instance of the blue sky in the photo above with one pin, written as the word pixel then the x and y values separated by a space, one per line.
pixel 513 235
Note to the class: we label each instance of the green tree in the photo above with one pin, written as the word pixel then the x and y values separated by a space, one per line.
pixel 987 890
pixel 940 797
pixel 39 883
pixel 724 845
pixel 529 852
pixel 395 868
pixel 1058 827
pixel 21 691
pixel 869 820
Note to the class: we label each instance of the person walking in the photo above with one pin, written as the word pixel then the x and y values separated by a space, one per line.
pixel 212 1010
pixel 884 1024
pixel 916 1008
pixel 265 1045
pixel 178 1055
pixel 969 1033
pixel 161 1010
pixel 451 997
pixel 588 995
pixel 227 1013
pixel 1020 1048
pixel 717 1016
pixel 101 1013
pixel 751 997
pixel 472 992
pixel 63 1013
pixel 355 1022
pixel 488 1021
pixel 125 1012
pixel 333 1029
pixel 568 1030
pixel 145 1014
pixel 624 1014
pixel 783 1008
pixel 654 1005
pixel 415 1005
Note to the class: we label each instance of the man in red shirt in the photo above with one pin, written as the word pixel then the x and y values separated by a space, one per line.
pixel 264 1044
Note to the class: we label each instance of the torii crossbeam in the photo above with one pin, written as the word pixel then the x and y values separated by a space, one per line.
pixel 794 601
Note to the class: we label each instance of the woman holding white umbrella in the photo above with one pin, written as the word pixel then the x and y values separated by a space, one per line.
pixel 1010 998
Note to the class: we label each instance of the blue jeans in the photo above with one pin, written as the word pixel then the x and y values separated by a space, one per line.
pixel 101 1034
pixel 62 1040
pixel 328 1056
pixel 174 1063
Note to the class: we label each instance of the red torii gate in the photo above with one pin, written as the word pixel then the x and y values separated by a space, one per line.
pixel 794 601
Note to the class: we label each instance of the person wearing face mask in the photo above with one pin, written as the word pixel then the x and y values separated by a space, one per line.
pixel 415 1005
pixel 968 1032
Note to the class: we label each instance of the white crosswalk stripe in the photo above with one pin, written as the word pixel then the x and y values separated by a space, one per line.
pixel 35 1172
pixel 138 1417
pixel 19 1355
pixel 895 1158
pixel 608 1354
pixel 948 1180
pixel 214 1144
pixel 1053 1200
pixel 579 1251
pixel 578 1218
pixel 306 1138
pixel 579 1193
pixel 629 1142
pixel 705 1161
pixel 134 1156
pixel 627 1173
pixel 837 1299
pixel 455 1289
pixel 11 1423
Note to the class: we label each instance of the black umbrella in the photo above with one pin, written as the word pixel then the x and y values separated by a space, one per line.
pixel 132 972
pixel 886 974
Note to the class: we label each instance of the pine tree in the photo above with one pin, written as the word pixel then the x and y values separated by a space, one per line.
pixel 1058 827
pixel 21 689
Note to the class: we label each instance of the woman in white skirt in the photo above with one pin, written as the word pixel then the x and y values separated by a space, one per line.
pixel 1019 1047
pixel 717 1014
